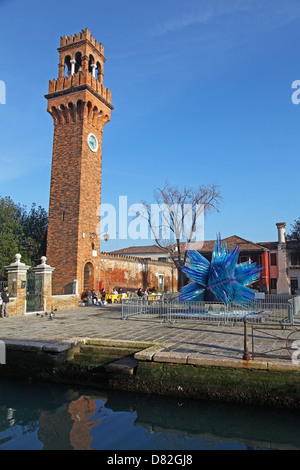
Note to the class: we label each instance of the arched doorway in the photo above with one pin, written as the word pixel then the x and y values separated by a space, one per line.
pixel 88 279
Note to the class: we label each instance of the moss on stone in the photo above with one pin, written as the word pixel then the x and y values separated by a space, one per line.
pixel 229 384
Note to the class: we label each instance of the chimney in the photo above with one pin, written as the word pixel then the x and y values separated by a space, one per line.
pixel 283 285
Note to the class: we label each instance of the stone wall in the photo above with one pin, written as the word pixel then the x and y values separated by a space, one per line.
pixel 113 272
pixel 15 307
pixel 132 273
pixel 64 302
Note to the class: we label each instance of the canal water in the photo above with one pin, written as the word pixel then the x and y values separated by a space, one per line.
pixel 54 417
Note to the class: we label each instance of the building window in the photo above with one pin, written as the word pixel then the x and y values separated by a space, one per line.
pixel 294 285
pixel 162 259
pixel 273 259
pixel 295 260
pixel 273 284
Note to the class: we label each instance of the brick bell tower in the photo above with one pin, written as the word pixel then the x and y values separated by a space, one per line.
pixel 80 107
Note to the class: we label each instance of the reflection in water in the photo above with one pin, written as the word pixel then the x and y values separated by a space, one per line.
pixel 43 416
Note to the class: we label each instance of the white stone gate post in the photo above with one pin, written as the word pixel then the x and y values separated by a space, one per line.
pixel 17 278
pixel 45 271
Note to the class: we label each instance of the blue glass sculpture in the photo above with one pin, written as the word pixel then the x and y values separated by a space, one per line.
pixel 222 279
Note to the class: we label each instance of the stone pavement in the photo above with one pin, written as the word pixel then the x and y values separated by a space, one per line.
pixel 182 342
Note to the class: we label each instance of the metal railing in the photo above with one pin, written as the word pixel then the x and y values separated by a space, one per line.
pixel 270 341
pixel 276 298
pixel 174 311
pixel 295 303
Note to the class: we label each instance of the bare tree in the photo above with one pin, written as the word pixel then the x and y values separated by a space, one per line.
pixel 180 214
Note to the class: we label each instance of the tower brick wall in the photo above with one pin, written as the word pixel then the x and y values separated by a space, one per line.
pixel 80 107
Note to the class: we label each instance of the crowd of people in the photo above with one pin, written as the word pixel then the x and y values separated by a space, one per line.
pixel 91 297
pixel 146 292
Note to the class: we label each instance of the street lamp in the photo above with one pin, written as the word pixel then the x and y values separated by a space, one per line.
pixel 96 235
pixel 105 238
pixel 103 263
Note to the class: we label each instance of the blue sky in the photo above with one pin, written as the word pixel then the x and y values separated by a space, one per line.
pixel 202 94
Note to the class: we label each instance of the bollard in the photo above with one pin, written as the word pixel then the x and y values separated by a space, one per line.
pixel 246 356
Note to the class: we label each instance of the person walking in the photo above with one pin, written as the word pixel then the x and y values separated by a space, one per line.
pixel 5 301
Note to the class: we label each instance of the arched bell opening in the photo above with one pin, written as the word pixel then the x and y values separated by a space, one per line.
pixel 98 71
pixel 67 66
pixel 92 65
pixel 78 62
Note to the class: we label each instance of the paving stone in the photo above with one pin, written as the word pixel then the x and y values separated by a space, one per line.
pixel 125 366
pixel 170 356
pixel 182 342
pixel 147 354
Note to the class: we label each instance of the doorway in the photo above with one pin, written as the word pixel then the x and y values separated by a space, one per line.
pixel 34 293
pixel 160 282
pixel 88 279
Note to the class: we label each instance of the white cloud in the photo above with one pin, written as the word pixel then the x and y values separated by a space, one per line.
pixel 255 12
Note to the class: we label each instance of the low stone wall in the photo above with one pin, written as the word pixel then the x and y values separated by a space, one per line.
pixel 245 382
pixel 14 308
pixel 65 302
pixel 58 302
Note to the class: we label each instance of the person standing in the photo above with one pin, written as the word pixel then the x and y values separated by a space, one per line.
pixel 140 292
pixel 5 301
pixel 103 294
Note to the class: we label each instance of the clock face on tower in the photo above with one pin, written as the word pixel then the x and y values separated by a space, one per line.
pixel 93 142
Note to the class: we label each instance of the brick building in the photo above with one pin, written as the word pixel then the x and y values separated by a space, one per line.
pixel 131 272
pixel 80 106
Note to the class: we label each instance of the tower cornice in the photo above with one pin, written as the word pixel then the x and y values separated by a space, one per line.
pixel 76 89
pixel 80 43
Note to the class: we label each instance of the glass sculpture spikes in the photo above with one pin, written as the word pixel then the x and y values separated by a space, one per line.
pixel 222 279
